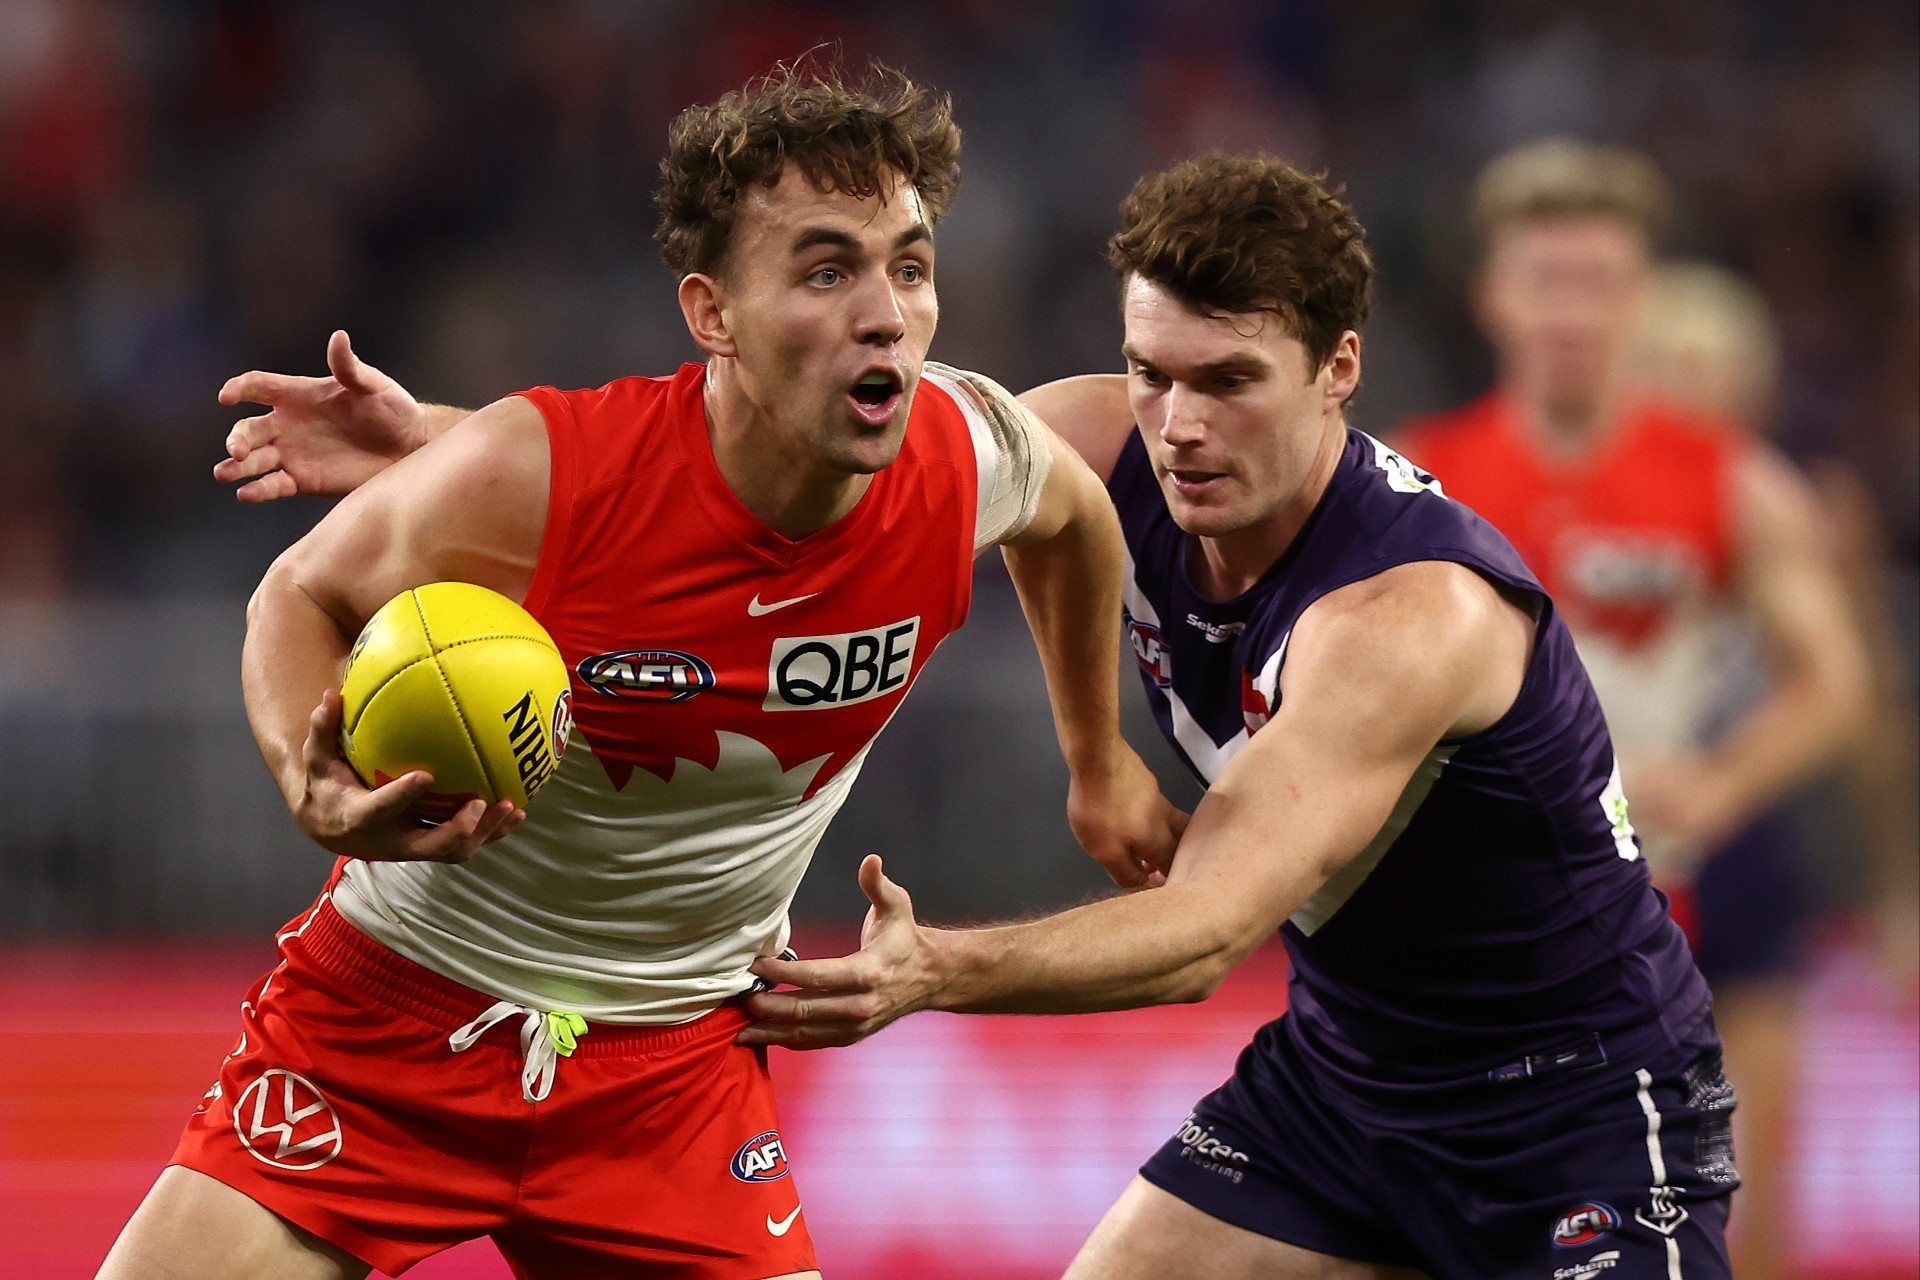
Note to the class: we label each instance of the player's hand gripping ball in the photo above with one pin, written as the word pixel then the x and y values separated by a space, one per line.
pixel 461 682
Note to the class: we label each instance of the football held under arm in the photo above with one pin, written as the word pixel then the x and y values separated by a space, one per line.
pixel 471 507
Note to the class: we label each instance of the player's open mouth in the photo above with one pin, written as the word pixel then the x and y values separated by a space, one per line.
pixel 876 396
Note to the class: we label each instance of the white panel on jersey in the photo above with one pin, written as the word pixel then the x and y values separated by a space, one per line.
pixel 1402 475
pixel 1333 895
pixel 643 905
pixel 1208 756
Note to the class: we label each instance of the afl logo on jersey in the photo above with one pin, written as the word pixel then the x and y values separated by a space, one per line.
pixel 761 1158
pixel 1151 651
pixel 811 673
pixel 1583 1224
pixel 656 675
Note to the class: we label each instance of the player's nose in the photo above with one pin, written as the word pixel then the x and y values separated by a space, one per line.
pixel 1185 422
pixel 878 320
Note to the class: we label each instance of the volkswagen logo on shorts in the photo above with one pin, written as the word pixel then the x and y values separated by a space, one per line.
pixel 656 675
pixel 761 1158
pixel 1583 1224
pixel 282 1120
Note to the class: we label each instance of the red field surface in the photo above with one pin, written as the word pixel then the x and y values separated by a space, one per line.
pixel 945 1147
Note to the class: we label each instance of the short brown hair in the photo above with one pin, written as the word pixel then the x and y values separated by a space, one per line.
pixel 1241 233
pixel 1567 178
pixel 845 138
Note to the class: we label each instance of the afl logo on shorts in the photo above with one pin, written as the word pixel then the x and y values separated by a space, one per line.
pixel 657 675
pixel 1151 652
pixel 761 1158
pixel 1583 1224
pixel 282 1120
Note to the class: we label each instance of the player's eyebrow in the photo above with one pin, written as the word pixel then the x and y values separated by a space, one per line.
pixel 1234 364
pixel 814 237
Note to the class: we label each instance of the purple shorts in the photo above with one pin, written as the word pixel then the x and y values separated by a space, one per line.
pixel 1603 1170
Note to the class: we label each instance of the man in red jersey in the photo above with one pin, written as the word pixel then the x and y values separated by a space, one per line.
pixel 1661 534
pixel 746 564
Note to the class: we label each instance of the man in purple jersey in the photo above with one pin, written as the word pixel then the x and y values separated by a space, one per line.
pixel 1499 1059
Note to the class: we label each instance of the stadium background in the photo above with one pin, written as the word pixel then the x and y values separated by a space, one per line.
pixel 192 188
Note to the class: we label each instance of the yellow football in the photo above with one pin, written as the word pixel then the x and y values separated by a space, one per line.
pixel 462 682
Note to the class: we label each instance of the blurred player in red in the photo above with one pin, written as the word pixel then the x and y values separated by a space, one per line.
pixel 523 1025
pixel 1708 342
pixel 1666 536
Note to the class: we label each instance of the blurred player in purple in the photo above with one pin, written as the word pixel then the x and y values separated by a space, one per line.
pixel 1499 1060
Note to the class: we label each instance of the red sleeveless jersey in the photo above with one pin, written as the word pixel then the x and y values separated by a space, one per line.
pixel 1623 536
pixel 682 615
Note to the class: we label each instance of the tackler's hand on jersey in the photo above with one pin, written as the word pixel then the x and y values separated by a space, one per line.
pixel 322 436
pixel 342 816
pixel 844 1000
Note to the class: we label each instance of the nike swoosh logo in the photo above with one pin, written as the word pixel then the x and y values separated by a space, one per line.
pixel 785 1224
pixel 757 610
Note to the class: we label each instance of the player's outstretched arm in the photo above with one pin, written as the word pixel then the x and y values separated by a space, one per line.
pixel 1067 565
pixel 323 436
pixel 469 507
pixel 1376 675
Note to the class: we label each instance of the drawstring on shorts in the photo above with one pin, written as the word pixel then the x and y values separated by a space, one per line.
pixel 545 1038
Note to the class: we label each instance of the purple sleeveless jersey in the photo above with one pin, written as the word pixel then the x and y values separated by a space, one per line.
pixel 1502 922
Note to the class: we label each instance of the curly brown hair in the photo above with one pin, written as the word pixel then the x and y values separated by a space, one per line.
pixel 1242 233
pixel 846 138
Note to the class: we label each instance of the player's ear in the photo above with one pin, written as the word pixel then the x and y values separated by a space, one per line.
pixel 1343 369
pixel 701 305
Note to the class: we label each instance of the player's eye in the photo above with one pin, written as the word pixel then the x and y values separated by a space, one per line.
pixel 1152 377
pixel 912 273
pixel 827 276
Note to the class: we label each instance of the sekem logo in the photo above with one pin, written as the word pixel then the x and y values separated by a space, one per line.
pixel 283 1120
pixel 761 1158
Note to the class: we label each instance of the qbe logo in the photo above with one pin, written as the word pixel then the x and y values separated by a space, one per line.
pixel 1151 652
pixel 283 1120
pixel 807 673
pixel 761 1158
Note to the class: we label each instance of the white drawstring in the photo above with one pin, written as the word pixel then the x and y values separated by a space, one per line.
pixel 541 1044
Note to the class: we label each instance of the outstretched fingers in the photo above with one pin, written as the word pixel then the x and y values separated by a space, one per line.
pixel 257 386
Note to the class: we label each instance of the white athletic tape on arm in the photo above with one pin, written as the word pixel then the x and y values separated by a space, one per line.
pixel 1012 447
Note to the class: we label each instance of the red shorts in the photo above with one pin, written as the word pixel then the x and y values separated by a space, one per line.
pixel 344 1109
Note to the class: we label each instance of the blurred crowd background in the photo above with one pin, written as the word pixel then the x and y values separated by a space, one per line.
pixel 190 188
